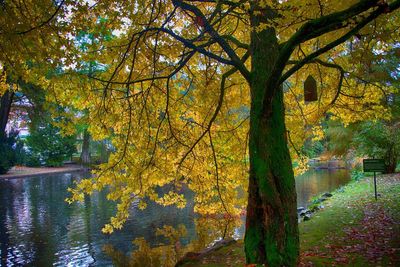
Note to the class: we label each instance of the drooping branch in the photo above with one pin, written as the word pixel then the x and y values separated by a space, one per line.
pixel 214 116
pixel 217 175
pixel 217 109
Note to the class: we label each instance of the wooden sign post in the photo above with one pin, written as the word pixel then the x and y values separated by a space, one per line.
pixel 374 165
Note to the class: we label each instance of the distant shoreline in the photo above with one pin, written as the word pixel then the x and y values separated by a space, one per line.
pixel 27 172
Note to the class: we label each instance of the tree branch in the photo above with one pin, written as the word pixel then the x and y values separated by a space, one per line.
pixel 381 9
pixel 214 34
pixel 44 22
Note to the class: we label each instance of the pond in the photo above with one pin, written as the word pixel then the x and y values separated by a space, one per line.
pixel 38 228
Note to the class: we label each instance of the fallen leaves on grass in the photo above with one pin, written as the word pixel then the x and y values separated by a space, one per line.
pixel 371 240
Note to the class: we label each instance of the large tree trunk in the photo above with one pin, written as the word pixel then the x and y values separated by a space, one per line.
pixel 85 155
pixel 5 107
pixel 271 223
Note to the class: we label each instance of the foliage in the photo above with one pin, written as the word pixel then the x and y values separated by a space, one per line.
pixel 20 152
pixel 181 88
pixel 173 247
pixel 32 159
pixel 48 144
pixel 357 175
pixel 345 233
pixel 313 149
pixel 374 139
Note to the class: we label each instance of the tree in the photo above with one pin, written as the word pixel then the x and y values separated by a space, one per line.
pixel 378 140
pixel 372 138
pixel 47 143
pixel 181 80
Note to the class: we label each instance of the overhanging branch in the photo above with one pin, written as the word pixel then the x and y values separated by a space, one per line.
pixel 214 34
pixel 381 9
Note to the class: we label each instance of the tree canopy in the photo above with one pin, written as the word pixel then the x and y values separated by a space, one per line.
pixel 205 94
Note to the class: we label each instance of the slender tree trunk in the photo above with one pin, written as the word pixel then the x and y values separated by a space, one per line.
pixel 271 223
pixel 5 107
pixel 391 160
pixel 85 155
pixel 104 153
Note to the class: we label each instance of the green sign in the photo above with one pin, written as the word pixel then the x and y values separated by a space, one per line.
pixel 374 165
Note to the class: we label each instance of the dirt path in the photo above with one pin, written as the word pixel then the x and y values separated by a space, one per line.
pixel 23 172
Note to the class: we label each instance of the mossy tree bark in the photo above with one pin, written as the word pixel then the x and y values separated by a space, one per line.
pixel 271 222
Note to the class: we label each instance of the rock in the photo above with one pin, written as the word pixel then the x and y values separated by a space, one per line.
pixel 314 208
pixel 322 199
pixel 326 195
pixel 300 209
pixel 305 212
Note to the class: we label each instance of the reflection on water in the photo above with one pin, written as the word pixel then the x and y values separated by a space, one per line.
pixel 38 228
pixel 315 182
pixel 169 252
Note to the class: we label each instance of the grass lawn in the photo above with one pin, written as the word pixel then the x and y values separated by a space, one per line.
pixel 352 230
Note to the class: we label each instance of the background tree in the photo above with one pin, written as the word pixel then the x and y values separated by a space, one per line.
pixel 376 138
pixel 47 143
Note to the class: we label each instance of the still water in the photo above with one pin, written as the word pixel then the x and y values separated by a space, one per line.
pixel 38 228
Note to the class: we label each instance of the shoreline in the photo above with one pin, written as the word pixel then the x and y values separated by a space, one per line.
pixel 351 215
pixel 27 172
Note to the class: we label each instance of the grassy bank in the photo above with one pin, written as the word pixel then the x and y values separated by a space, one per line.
pixel 352 230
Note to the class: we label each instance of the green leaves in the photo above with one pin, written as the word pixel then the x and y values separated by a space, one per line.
pixel 47 142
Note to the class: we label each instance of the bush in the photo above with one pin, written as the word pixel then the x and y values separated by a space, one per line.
pixel 32 160
pixel 357 175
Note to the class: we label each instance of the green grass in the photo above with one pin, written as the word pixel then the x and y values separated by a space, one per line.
pixel 325 239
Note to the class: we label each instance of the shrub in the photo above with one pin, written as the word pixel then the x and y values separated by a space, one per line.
pixel 32 160
pixel 357 175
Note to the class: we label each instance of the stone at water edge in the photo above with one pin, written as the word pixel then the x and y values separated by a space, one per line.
pixel 326 195
pixel 300 209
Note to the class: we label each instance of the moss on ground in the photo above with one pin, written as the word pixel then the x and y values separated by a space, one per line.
pixel 352 230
